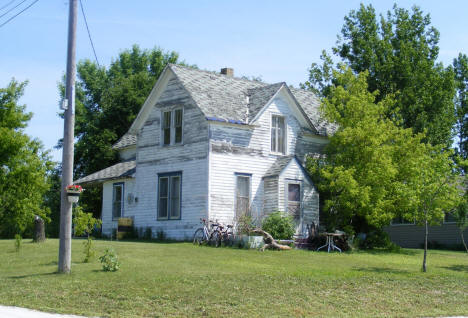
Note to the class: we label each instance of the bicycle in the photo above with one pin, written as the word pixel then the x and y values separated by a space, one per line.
pixel 208 233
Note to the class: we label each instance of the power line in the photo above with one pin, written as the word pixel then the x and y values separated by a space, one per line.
pixel 29 6
pixel 89 33
pixel 13 8
pixel 6 5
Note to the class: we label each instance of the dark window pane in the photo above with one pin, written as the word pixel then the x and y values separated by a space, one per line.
pixel 273 139
pixel 178 118
pixel 166 120
pixel 178 134
pixel 163 208
pixel 163 187
pixel 117 201
pixel 294 192
pixel 167 136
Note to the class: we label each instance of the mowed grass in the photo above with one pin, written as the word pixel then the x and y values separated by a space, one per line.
pixel 182 280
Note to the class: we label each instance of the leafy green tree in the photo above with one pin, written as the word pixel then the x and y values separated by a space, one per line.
pixel 375 170
pixel 399 51
pixel 460 66
pixel 23 166
pixel 108 100
pixel 84 225
pixel 52 201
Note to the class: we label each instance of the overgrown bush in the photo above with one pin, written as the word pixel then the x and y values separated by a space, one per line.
pixel 279 225
pixel 245 224
pixel 374 239
pixel 109 261
pixel 160 235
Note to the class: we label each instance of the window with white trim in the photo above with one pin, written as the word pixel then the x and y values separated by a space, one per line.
pixel 172 127
pixel 117 200
pixel 169 196
pixel 278 134
pixel 242 195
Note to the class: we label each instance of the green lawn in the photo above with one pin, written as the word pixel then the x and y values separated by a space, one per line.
pixel 182 280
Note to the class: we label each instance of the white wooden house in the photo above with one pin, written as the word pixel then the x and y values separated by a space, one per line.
pixel 207 145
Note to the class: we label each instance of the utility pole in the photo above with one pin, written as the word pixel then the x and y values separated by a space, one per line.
pixel 64 263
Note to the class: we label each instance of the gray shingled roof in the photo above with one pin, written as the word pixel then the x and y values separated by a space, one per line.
pixel 126 141
pixel 311 105
pixel 223 97
pixel 278 166
pixel 121 170
pixel 236 100
pixel 259 97
pixel 218 96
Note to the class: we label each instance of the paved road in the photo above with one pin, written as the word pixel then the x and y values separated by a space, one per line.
pixel 17 312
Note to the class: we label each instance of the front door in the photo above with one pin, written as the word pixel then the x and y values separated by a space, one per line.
pixel 293 190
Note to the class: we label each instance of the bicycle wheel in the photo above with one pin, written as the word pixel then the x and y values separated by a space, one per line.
pixel 215 239
pixel 198 236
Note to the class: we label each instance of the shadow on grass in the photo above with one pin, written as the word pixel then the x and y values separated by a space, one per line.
pixel 457 268
pixel 33 275
pixel 381 251
pixel 380 270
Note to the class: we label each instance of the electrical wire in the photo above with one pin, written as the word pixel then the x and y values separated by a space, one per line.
pixel 18 13
pixel 6 5
pixel 89 33
pixel 13 8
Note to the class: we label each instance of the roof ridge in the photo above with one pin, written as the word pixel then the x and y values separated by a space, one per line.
pixel 218 74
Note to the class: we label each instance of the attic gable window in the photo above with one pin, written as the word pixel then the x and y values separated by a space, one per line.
pixel 172 127
pixel 278 134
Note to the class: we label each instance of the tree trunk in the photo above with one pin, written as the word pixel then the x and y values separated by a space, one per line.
pixel 426 230
pixel 463 239
pixel 39 230
pixel 270 241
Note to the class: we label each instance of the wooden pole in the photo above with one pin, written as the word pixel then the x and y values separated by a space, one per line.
pixel 64 263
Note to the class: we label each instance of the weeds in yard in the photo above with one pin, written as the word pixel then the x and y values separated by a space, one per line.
pixel 18 242
pixel 110 261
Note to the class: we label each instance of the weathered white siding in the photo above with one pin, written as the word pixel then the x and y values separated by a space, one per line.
pixel 309 195
pixel 237 149
pixel 190 158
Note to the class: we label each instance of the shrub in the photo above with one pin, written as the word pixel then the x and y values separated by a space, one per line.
pixel 245 224
pixel 18 242
pixel 160 235
pixel 279 225
pixel 109 261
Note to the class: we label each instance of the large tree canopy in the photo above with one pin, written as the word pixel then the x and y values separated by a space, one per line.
pixel 375 170
pixel 108 100
pixel 23 166
pixel 399 51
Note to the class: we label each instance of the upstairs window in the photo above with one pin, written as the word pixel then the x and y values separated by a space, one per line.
pixel 172 127
pixel 278 134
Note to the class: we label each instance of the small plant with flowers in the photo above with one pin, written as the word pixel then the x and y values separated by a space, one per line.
pixel 74 188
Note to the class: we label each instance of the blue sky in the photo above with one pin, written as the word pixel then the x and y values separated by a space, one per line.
pixel 277 40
